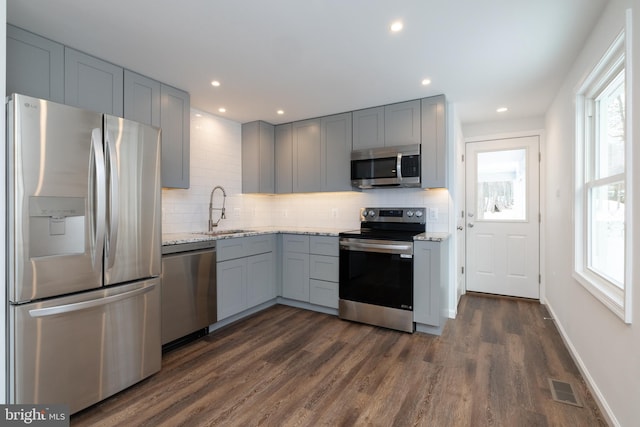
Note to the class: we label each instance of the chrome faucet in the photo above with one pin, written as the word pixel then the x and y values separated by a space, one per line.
pixel 211 208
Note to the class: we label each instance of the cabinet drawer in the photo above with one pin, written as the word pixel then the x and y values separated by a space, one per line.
pixel 323 293
pixel 295 243
pixel 323 267
pixel 230 248
pixel 255 245
pixel 324 245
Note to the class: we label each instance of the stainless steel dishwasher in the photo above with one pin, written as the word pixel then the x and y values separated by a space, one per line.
pixel 189 295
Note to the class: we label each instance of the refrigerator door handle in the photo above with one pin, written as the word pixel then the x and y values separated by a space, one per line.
pixel 69 308
pixel 97 195
pixel 114 199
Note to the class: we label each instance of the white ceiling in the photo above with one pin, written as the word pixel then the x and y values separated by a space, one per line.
pixel 318 57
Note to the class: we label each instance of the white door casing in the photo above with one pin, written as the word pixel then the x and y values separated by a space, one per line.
pixel 502 216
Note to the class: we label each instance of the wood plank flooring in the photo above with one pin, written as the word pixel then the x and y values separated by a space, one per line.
pixel 286 366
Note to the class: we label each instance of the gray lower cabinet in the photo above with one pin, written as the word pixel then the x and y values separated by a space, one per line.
pixel 245 273
pixel 429 282
pixel 324 271
pixel 434 142
pixel 283 150
pixel 141 98
pixel 174 120
pixel 35 65
pixel 310 269
pixel 92 83
pixel 258 157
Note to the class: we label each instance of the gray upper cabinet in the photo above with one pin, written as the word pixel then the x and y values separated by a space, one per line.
pixel 368 128
pixel 386 126
pixel 402 123
pixel 258 157
pixel 174 119
pixel 284 158
pixel 434 142
pixel 35 65
pixel 141 99
pixel 336 136
pixel 307 153
pixel 92 83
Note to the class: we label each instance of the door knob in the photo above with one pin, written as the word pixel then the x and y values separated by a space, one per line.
pixel 460 227
pixel 470 225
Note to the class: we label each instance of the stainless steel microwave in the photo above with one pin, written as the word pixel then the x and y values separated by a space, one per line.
pixel 386 167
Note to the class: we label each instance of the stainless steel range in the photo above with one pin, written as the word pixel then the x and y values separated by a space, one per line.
pixel 376 267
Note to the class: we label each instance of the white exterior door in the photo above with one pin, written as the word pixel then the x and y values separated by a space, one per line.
pixel 502 217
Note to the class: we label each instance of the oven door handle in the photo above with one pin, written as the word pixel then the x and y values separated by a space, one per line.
pixel 393 248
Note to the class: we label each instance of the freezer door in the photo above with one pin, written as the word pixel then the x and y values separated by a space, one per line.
pixel 55 168
pixel 133 237
pixel 80 349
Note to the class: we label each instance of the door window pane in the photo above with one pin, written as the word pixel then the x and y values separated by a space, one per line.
pixel 502 185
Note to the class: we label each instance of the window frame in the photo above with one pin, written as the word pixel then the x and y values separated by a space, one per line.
pixel 616 59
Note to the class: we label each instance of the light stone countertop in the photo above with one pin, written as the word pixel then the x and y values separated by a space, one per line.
pixel 180 238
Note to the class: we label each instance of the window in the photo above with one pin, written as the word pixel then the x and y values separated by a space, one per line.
pixel 602 235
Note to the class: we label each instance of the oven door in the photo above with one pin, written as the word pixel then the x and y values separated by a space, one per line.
pixel 377 272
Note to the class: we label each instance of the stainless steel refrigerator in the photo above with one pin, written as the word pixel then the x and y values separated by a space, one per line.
pixel 84 262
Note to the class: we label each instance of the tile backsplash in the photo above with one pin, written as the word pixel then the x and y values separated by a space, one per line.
pixel 216 159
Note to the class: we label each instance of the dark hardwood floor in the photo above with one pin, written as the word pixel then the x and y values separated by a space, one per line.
pixel 286 366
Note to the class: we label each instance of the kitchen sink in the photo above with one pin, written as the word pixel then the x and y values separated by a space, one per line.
pixel 220 232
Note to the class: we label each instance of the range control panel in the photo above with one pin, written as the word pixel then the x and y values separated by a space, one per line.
pixel 403 215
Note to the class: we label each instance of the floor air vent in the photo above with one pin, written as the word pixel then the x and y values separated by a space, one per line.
pixel 563 392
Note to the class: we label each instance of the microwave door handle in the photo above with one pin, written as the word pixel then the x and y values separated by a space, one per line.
pixel 97 196
pixel 114 200
pixel 399 167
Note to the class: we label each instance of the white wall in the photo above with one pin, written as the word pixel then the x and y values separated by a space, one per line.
pixel 216 160
pixel 3 201
pixel 607 350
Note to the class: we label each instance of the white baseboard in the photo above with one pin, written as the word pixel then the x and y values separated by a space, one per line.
pixel 593 387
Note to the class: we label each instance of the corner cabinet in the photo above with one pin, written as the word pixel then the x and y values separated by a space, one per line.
pixel 258 157
pixel 434 142
pixel 245 273
pixel 283 158
pixel 92 83
pixel 174 120
pixel 35 65
pixel 430 285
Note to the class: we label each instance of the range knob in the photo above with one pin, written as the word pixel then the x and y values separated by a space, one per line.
pixel 410 213
pixel 372 213
pixel 419 214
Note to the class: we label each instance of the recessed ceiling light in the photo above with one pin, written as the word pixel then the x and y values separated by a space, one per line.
pixel 280 112
pixel 215 83
pixel 396 26
pixel 426 82
pixel 198 115
pixel 502 109
pixel 222 110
